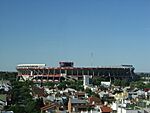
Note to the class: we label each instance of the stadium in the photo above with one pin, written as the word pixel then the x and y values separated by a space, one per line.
pixel 42 73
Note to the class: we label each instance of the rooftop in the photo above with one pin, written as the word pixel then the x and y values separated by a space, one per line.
pixel 106 109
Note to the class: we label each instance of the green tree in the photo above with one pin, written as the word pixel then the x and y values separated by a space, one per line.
pixel 117 82
pixel 50 84
pixel 124 83
pixel 137 84
pixel 17 109
pixel 30 107
pixel 62 85
pixel 22 101
pixel 140 84
pixel 147 85
pixel 97 81
pixel 88 91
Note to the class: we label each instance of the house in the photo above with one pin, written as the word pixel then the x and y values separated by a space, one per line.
pixel 51 107
pixel 125 110
pixel 76 105
pixel 80 95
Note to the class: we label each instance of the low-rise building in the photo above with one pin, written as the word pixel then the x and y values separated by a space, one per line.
pixel 76 105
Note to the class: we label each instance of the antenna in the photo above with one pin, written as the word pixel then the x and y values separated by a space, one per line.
pixel 91 58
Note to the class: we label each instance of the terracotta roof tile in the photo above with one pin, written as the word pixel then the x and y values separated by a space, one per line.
pixel 106 109
pixel 94 99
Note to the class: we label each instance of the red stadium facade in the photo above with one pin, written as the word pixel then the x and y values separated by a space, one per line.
pixel 42 73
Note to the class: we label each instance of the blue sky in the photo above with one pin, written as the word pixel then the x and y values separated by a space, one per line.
pixel 87 32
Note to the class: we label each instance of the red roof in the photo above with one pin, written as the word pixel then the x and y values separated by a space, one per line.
pixel 49 106
pixel 96 100
pixel 146 89
pixel 106 109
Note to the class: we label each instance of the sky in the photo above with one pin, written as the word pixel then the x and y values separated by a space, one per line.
pixel 87 32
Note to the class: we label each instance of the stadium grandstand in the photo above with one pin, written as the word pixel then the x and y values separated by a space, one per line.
pixel 42 73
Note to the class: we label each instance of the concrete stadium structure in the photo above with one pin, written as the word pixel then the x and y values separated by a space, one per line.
pixel 42 73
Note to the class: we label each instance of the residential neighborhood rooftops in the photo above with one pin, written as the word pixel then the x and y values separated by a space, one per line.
pixel 77 101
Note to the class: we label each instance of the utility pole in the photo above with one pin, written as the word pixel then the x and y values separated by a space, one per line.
pixel 91 59
pixel 148 77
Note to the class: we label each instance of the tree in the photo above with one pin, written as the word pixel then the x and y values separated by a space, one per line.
pixel 8 75
pixel 117 82
pixel 147 85
pixel 22 101
pixel 88 91
pixel 97 81
pixel 17 109
pixel 30 107
pixel 124 83
pixel 137 84
pixel 62 85
pixel 140 84
pixel 50 84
